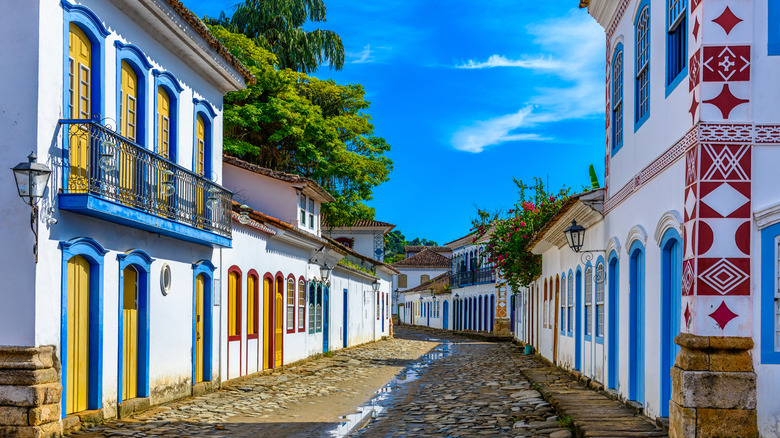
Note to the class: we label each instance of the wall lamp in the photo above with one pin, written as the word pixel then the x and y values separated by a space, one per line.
pixel 31 181
pixel 575 237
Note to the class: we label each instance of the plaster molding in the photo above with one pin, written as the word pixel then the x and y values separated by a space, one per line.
pixel 637 232
pixel 767 216
pixel 670 219
pixel 613 245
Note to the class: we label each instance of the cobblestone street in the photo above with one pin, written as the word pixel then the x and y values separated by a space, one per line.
pixel 422 383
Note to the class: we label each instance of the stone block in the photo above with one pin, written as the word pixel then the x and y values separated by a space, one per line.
pixel 719 390
pixel 44 414
pixel 682 421
pixel 13 416
pixel 36 395
pixel 28 358
pixel 686 340
pixel 731 361
pixel 94 416
pixel 49 430
pixel 688 359
pixel 717 423
pixel 53 393
pixel 28 376
pixel 133 406
pixel 71 423
pixel 731 343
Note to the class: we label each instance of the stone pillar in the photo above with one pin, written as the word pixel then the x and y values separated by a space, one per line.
pixel 502 327
pixel 30 392
pixel 713 388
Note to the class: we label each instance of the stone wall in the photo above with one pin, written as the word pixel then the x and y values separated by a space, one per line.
pixel 30 392
pixel 713 388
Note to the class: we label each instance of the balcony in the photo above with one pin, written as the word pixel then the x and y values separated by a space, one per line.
pixel 107 176
pixel 477 276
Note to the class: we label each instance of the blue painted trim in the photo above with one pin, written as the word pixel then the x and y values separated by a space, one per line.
pixel 671 83
pixel 138 61
pixel 206 268
pixel 326 318
pixel 589 336
pixel 95 206
pixel 206 110
pixel 570 306
pixel 564 306
pixel 773 24
pixel 578 308
pixel 599 335
pixel 170 84
pixel 94 29
pixel 639 121
pixel 671 297
pixel 636 344
pixel 683 75
pixel 613 319
pixel 768 275
pixel 618 51
pixel 345 319
pixel 94 253
pixel 142 262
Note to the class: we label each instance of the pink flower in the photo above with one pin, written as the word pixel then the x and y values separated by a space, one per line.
pixel 522 224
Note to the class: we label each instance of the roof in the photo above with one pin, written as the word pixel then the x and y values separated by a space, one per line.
pixel 196 24
pixel 438 284
pixel 279 175
pixel 425 259
pixel 591 201
pixel 262 218
pixel 360 223
pixel 356 254
pixel 418 248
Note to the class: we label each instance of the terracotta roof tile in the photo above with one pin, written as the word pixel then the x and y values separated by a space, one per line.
pixel 425 259
pixel 418 248
pixel 277 174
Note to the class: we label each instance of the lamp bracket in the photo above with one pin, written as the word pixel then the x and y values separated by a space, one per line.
pixel 587 256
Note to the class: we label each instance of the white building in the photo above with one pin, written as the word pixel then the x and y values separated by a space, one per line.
pixel 429 304
pixel 415 270
pixel 367 237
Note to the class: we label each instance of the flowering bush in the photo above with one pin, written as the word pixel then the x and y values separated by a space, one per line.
pixel 510 235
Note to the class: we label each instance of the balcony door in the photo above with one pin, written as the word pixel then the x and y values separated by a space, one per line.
pixel 128 128
pixel 79 107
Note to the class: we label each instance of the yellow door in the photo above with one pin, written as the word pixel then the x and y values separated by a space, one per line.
pixel 130 335
pixel 200 167
pixel 163 123
pixel 267 323
pixel 77 379
pixel 79 106
pixel 200 326
pixel 251 305
pixel 278 323
pixel 128 110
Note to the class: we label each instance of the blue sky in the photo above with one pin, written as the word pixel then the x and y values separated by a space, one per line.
pixel 469 94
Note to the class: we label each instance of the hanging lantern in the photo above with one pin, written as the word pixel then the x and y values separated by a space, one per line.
pixel 213 200
pixel 107 160
pixel 168 187
pixel 243 217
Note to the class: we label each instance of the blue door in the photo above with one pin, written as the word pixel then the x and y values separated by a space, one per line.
pixel 446 315
pixel 345 330
pixel 325 318
pixel 671 292
pixel 512 314
pixel 383 312
pixel 578 321
pixel 613 321
pixel 428 306
pixel 636 341
pixel 492 311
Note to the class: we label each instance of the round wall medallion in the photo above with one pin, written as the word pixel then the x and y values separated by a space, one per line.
pixel 165 279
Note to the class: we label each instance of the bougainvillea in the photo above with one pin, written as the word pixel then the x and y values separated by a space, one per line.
pixel 509 235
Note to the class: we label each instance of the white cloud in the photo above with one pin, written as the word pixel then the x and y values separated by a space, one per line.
pixel 570 70
pixel 495 131
pixel 362 57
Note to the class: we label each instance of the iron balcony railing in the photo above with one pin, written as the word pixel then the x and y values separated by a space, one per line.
pixel 465 278
pixel 101 162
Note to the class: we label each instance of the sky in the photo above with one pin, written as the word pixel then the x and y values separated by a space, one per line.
pixel 469 94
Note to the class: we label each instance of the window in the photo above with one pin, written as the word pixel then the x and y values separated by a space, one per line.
pixel 777 297
pixel 234 304
pixel 163 123
pixel 318 308
pixel 563 304
pixel 676 43
pixel 402 280
pixel 346 241
pixel 301 305
pixel 252 322
pixel 200 146
pixel 588 301
pixel 312 303
pixel 291 305
pixel 570 304
pixel 128 103
pixel 600 300
pixel 303 210
pixel 617 99
pixel 204 115
pixel 79 102
pixel 424 278
pixel 770 294
pixel 377 306
pixel 311 213
pixel 642 87
pixel 544 306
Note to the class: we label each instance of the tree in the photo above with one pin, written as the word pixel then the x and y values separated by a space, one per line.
pixel 395 242
pixel 316 128
pixel 277 25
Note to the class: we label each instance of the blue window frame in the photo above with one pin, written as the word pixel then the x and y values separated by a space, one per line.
pixel 770 294
pixel 205 268
pixel 676 43
pixel 588 302
pixel 773 25
pixel 600 279
pixel 563 303
pixel 171 86
pixel 137 60
pixel 570 305
pixel 642 65
pixel 617 99
pixel 207 113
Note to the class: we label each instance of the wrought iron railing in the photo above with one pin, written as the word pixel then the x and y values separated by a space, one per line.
pixel 465 278
pixel 101 162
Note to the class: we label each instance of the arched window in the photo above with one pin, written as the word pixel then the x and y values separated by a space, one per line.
pixel 301 305
pixel 133 67
pixel 544 307
pixel 312 302
pixel 252 304
pixel 588 301
pixel 676 42
pixel 642 67
pixel 424 278
pixel 617 99
pixel 204 116
pixel 166 114
pixel 570 304
pixel 600 300
pixel 80 87
pixel 402 281
pixel 291 291
pixel 564 306
pixel 234 304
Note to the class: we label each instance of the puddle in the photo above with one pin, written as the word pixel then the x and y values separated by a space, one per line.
pixel 384 397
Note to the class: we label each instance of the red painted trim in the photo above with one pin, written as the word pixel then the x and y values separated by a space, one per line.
pixel 236 270
pixel 268 324
pixel 279 275
pixel 256 292
pixel 291 327
pixel 301 329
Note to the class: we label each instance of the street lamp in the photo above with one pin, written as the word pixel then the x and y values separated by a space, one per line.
pixel 575 236
pixel 325 272
pixel 375 285
pixel 31 180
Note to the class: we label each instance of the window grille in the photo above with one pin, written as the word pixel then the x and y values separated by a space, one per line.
pixel 290 304
pixel 600 300
pixel 588 300
pixel 617 101
pixel 312 314
pixel 570 309
pixel 301 305
pixel 563 302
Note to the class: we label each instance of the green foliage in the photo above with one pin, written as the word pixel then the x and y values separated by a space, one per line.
pixel 277 25
pixel 357 266
pixel 316 128
pixel 594 179
pixel 510 236
pixel 395 242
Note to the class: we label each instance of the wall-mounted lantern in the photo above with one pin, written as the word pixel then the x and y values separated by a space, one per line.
pixel 31 181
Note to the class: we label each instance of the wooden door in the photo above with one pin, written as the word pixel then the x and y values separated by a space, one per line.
pixel 77 368
pixel 267 323
pixel 556 312
pixel 200 326
pixel 79 107
pixel 128 110
pixel 278 323
pixel 163 123
pixel 130 335
pixel 200 166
